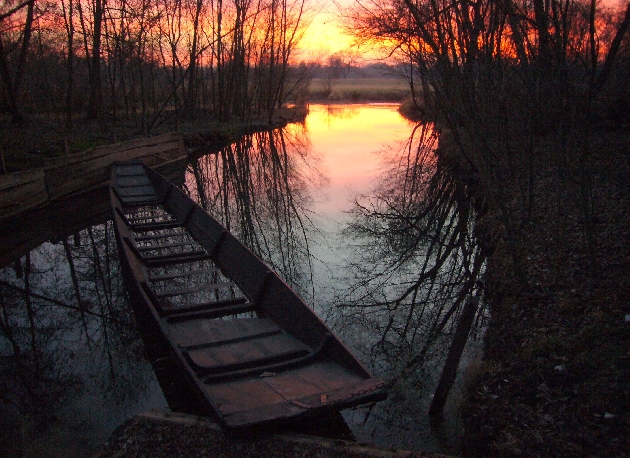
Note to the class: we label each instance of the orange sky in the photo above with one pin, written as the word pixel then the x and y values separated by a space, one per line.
pixel 324 36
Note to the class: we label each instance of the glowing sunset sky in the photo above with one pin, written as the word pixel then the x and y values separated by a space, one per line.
pixel 324 35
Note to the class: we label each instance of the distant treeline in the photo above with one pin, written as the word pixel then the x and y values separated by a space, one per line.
pixel 148 60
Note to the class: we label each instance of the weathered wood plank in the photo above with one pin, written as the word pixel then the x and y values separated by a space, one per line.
pixel 129 191
pixel 156 226
pixel 19 179
pixel 91 167
pixel 106 150
pixel 194 289
pixel 166 245
pixel 22 190
pixel 246 354
pixel 190 273
pixel 215 332
pixel 207 310
pixel 133 180
pixel 215 310
pixel 317 385
pixel 170 259
pixel 145 238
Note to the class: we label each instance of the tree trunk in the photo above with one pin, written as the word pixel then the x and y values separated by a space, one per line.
pixel 94 104
pixel 455 353
pixel 12 83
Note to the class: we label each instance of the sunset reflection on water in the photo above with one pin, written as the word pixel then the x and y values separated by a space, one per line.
pixel 348 139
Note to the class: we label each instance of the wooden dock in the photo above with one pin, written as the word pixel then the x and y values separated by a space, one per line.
pixel 82 172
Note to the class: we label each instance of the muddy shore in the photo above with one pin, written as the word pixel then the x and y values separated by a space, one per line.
pixel 165 434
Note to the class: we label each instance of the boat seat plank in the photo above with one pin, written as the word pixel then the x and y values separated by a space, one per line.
pixel 145 238
pixel 150 218
pixel 209 309
pixel 145 209
pixel 147 199
pixel 166 245
pixel 132 191
pixel 125 170
pixel 188 273
pixel 133 180
pixel 127 191
pixel 193 289
pixel 184 312
pixel 195 333
pixel 246 354
pixel 172 259
pixel 271 366
pixel 174 224
pixel 213 310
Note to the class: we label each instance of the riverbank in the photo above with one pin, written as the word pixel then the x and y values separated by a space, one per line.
pixel 554 379
pixel 165 434
pixel 27 146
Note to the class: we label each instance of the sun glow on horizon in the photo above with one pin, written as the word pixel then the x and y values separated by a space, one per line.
pixel 323 37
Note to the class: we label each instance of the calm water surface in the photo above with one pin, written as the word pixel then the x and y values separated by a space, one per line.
pixel 286 194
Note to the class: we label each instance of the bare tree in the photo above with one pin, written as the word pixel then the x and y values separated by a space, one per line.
pixel 12 80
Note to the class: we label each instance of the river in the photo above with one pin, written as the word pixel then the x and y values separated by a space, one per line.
pixel 316 202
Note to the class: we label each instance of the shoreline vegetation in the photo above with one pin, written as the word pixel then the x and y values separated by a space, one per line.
pixel 25 145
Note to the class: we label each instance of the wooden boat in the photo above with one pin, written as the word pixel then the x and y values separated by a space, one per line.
pixel 253 350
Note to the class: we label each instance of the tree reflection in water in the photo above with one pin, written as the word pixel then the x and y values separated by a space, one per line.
pixel 259 189
pixel 415 261
pixel 70 355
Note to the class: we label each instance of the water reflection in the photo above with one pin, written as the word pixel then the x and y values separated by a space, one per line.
pixel 72 366
pixel 415 261
pixel 397 295
pixel 260 189
pixel 69 348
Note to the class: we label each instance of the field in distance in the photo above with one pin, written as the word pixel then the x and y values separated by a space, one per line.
pixel 359 89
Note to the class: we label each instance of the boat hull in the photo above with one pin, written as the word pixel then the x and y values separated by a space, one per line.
pixel 254 352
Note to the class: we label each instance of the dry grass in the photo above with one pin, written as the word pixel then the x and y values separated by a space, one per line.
pixel 360 89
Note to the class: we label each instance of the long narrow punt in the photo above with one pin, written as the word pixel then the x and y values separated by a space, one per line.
pixel 253 350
